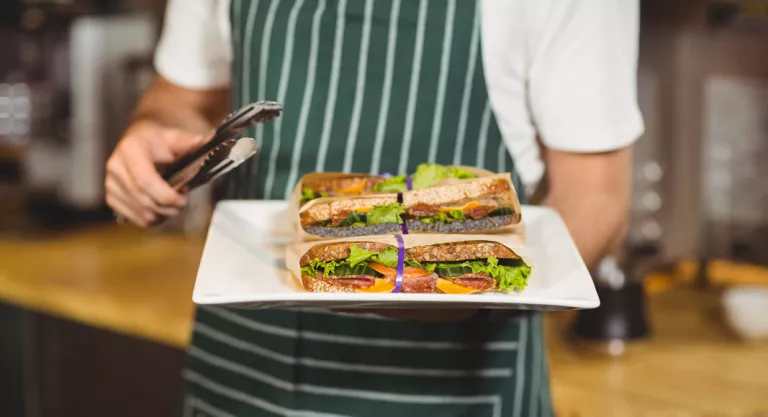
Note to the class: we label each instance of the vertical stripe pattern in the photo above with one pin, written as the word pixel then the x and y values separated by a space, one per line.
pixel 368 86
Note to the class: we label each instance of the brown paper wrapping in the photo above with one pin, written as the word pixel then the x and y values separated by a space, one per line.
pixel 516 243
pixel 409 199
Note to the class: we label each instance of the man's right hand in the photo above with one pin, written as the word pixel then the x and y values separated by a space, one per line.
pixel 134 187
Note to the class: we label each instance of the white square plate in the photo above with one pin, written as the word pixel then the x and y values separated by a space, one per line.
pixel 243 267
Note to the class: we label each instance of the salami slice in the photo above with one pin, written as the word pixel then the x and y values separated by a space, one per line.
pixel 423 284
pixel 480 282
pixel 354 281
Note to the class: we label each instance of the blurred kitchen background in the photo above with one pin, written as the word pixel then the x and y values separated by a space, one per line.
pixel 94 319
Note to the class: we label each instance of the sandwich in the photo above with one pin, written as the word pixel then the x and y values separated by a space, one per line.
pixel 471 205
pixel 336 185
pixel 446 268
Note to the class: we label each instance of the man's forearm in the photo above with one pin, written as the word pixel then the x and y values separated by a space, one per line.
pixel 597 222
pixel 173 106
pixel 592 193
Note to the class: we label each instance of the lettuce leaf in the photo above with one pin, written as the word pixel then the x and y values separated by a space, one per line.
pixel 308 194
pixel 443 217
pixel 509 277
pixel 458 215
pixel 387 257
pixel 458 173
pixel 385 214
pixel 358 254
pixel 357 257
pixel 427 175
pixel 392 185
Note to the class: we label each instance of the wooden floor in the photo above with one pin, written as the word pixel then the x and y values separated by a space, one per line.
pixel 140 284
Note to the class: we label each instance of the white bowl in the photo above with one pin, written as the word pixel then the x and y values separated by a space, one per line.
pixel 746 311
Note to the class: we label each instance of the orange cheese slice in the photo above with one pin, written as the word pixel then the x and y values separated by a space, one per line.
pixel 355 189
pixel 465 207
pixel 381 285
pixel 449 287
pixel 363 209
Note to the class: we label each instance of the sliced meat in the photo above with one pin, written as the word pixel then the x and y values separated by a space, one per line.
pixel 339 217
pixel 478 212
pixel 423 210
pixel 500 186
pixel 355 281
pixel 423 284
pixel 480 282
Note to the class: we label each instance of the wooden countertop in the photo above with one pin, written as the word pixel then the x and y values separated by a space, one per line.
pixel 121 279
pixel 140 283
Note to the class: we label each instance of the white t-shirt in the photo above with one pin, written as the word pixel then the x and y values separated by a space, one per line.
pixel 565 70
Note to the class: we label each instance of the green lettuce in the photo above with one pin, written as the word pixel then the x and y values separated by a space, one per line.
pixel 392 185
pixel 509 276
pixel 427 175
pixel 355 264
pixel 443 217
pixel 385 214
pixel 308 194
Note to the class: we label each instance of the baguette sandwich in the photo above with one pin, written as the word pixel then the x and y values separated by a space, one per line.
pixel 339 185
pixel 464 267
pixel 471 205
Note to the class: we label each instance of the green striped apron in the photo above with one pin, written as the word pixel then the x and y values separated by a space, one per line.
pixel 368 86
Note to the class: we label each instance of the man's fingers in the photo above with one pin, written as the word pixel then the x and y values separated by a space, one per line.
pixel 140 202
pixel 179 143
pixel 148 181
pixel 122 208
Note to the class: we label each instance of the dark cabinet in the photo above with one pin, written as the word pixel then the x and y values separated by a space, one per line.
pixel 58 368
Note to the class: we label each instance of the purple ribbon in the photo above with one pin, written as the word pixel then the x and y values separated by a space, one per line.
pixel 400 263
pixel 403 226
pixel 409 183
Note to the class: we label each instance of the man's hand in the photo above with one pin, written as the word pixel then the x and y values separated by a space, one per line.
pixel 134 188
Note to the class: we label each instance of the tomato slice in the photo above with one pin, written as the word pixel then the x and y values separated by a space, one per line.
pixel 383 270
pixel 391 273
pixel 409 272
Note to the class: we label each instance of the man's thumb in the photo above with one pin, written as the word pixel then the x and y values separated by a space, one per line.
pixel 180 143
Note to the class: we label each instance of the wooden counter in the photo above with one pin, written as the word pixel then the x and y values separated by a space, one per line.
pixel 121 279
pixel 140 284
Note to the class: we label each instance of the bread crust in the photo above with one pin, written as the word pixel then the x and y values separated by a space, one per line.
pixel 339 250
pixel 320 285
pixel 460 251
pixel 323 209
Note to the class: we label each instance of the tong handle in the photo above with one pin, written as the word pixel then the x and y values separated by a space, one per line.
pixel 232 126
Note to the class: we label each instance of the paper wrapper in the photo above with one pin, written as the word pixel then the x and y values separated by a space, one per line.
pixel 516 243
pixel 410 198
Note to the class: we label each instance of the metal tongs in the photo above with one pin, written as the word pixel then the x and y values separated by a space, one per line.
pixel 220 154
pixel 189 167
pixel 222 159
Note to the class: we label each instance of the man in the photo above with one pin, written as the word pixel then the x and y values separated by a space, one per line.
pixel 381 87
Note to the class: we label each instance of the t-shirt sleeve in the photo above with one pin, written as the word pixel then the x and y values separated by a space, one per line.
pixel 582 76
pixel 194 52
